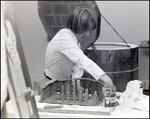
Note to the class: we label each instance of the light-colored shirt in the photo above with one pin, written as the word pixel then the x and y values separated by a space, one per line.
pixel 64 58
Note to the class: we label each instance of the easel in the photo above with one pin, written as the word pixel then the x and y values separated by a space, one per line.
pixel 19 89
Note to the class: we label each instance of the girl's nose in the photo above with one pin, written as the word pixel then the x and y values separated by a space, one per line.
pixel 87 33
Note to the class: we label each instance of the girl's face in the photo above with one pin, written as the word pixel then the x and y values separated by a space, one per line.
pixel 84 35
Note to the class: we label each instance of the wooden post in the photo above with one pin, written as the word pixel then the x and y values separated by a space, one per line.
pixel 68 92
pixel 74 93
pixel 80 94
pixel 70 83
pixel 76 88
pixel 62 93
pixel 86 95
pixel 95 98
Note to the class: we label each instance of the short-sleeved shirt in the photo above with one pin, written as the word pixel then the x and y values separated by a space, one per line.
pixel 64 58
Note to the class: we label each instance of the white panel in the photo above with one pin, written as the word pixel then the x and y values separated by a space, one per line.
pixel 25 4
pixel 108 15
pixel 131 17
pixel 131 5
pixel 147 32
pixel 105 34
pixel 36 76
pixel 32 33
pixel 34 49
pixel 35 65
pixel 27 16
pixel 104 4
pixel 131 34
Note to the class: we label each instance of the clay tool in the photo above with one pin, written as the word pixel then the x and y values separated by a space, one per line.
pixel 52 106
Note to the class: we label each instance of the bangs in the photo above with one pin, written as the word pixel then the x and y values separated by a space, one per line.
pixel 81 20
pixel 90 24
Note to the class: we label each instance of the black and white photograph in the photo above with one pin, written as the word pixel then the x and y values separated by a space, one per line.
pixel 74 59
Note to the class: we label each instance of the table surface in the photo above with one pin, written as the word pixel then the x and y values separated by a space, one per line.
pixel 117 113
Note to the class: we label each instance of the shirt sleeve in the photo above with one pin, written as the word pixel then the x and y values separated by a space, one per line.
pixel 77 72
pixel 75 54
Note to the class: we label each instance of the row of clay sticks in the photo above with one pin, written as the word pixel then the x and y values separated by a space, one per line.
pixel 70 91
pixel 80 97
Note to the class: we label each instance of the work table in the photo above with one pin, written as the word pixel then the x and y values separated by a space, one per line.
pixel 116 113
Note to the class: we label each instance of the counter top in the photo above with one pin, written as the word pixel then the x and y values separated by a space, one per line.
pixel 116 113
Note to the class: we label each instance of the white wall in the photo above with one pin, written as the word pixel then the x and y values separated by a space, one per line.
pixel 129 18
pixel 33 36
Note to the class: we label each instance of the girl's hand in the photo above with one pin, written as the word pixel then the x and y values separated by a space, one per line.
pixel 107 82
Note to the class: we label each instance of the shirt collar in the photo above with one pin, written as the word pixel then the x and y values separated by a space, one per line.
pixel 74 37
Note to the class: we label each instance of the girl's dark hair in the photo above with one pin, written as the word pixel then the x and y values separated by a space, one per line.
pixel 81 20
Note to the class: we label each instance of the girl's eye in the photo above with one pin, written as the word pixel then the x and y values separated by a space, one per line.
pixel 86 29
pixel 90 30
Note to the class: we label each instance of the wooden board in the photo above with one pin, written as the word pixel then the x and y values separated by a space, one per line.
pixel 19 88
pixel 78 110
